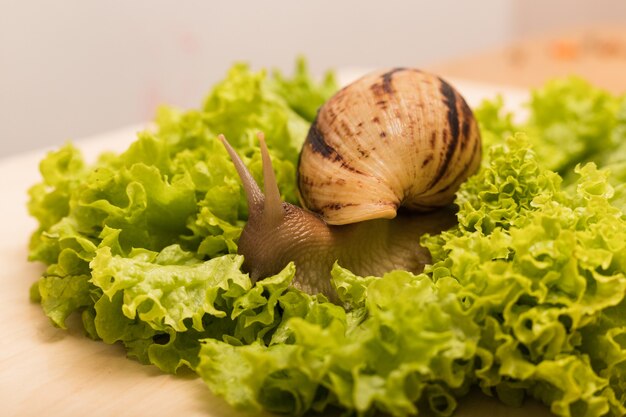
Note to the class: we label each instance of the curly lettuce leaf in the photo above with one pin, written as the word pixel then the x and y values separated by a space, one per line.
pixel 409 341
pixel 302 94
pixel 168 290
pixel 570 121
pixel 161 304
pixel 539 266
pixel 525 297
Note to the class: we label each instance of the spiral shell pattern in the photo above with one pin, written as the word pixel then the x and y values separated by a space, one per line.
pixel 394 138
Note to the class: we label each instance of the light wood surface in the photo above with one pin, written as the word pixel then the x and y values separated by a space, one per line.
pixel 597 54
pixel 45 371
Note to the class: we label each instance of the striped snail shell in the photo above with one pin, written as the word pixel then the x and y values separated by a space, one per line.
pixel 393 138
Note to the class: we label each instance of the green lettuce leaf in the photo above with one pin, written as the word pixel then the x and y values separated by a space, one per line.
pixel 303 95
pixel 539 267
pixel 570 121
pixel 409 341
pixel 168 290
pixel 524 297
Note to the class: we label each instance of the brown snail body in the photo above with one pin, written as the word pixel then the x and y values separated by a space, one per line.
pixel 397 138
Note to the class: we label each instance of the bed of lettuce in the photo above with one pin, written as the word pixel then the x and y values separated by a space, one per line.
pixel 525 297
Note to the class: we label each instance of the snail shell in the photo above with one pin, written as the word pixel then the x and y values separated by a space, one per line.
pixel 400 137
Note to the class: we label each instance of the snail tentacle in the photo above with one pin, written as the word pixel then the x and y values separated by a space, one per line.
pixel 272 207
pixel 254 196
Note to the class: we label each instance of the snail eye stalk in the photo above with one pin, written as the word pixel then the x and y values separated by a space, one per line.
pixel 254 196
pixel 269 206
pixel 272 207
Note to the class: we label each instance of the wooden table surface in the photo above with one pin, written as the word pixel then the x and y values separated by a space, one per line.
pixel 597 54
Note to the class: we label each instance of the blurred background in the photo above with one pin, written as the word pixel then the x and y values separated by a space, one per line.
pixel 74 68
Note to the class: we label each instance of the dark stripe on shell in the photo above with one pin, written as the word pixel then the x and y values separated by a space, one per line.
pixel 478 147
pixel 350 168
pixel 449 98
pixel 468 116
pixel 336 206
pixel 318 144
pixel 387 87
pixel 466 132
pixel 464 171
pixel 377 90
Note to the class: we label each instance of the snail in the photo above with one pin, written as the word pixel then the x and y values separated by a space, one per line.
pixel 379 168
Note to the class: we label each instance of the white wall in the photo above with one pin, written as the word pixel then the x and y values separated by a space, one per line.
pixel 71 68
